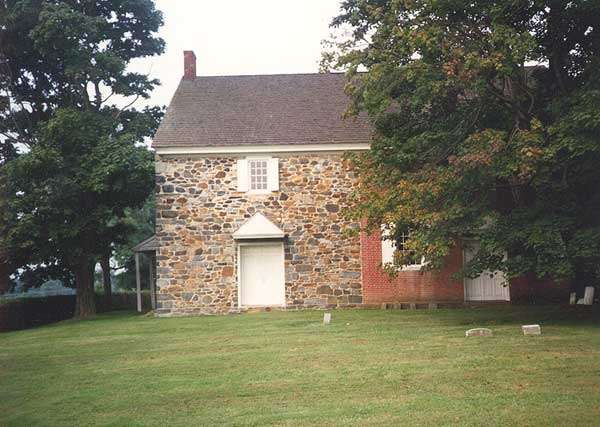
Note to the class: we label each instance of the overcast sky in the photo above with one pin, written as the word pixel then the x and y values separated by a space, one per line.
pixel 238 37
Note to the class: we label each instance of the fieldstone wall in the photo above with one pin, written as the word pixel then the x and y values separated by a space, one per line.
pixel 198 208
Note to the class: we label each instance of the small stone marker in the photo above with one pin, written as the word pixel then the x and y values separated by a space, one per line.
pixel 479 332
pixel 327 318
pixel 572 298
pixel 531 330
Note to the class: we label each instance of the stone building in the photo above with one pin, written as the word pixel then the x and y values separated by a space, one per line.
pixel 251 188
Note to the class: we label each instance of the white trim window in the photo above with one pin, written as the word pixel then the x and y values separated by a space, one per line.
pixel 258 175
pixel 390 249
pixel 409 256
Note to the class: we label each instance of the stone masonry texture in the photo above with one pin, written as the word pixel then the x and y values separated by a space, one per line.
pixel 198 208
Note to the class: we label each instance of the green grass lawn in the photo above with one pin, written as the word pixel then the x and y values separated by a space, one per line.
pixel 367 367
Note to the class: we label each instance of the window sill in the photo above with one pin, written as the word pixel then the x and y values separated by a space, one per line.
pixel 412 267
pixel 259 192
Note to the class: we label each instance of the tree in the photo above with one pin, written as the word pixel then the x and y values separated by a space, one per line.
pixel 74 181
pixel 5 262
pixel 125 232
pixel 57 53
pixel 71 159
pixel 141 223
pixel 32 276
pixel 488 126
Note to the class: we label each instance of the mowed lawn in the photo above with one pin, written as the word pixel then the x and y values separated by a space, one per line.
pixel 368 367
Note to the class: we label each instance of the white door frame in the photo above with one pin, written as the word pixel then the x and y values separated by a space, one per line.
pixel 464 256
pixel 239 267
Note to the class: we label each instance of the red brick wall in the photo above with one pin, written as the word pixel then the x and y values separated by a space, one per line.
pixel 407 286
pixel 414 286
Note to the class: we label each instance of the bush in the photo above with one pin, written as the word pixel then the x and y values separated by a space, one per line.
pixel 31 312
pixel 27 313
pixel 122 301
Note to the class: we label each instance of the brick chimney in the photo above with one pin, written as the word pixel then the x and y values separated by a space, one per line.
pixel 189 65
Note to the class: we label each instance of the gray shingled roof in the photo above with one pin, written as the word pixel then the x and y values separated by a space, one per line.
pixel 265 109
pixel 148 245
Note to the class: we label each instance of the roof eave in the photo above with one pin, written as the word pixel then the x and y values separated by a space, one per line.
pixel 175 149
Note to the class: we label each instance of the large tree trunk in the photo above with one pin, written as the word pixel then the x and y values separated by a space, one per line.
pixel 4 277
pixel 105 264
pixel 85 306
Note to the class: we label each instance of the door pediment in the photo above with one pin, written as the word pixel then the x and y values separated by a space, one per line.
pixel 258 227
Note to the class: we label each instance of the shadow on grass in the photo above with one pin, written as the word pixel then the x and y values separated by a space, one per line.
pixel 509 314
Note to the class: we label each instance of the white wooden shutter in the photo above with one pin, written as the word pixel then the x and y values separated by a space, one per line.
pixel 242 175
pixel 273 174
pixel 388 247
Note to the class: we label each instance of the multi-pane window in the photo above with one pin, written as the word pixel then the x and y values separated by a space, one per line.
pixel 395 250
pixel 408 257
pixel 258 174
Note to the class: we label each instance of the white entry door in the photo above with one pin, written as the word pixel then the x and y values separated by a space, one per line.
pixel 262 276
pixel 488 286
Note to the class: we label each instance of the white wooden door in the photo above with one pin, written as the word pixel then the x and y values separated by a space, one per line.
pixel 488 286
pixel 262 277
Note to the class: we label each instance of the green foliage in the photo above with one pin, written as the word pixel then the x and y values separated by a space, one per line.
pixel 61 53
pixel 140 223
pixel 74 163
pixel 488 126
pixel 74 181
pixel 33 276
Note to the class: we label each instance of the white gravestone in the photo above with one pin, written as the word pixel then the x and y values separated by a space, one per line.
pixel 572 298
pixel 531 330
pixel 327 318
pixel 479 332
pixel 588 296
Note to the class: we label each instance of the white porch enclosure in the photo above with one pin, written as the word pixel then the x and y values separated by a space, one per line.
pixel 147 248
pixel 486 287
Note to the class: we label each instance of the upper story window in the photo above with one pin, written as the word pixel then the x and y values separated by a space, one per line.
pixel 258 175
pixel 392 248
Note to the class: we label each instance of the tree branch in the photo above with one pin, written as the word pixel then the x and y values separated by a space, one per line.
pixel 126 107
